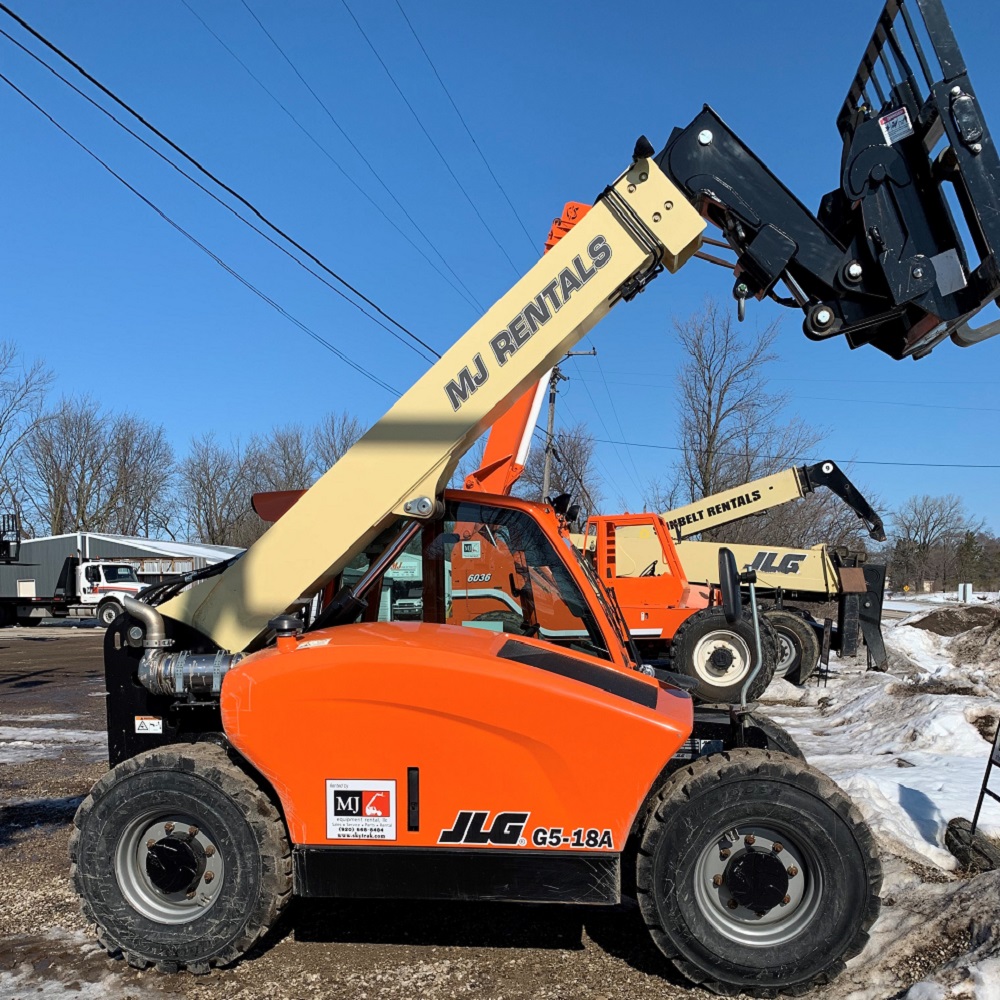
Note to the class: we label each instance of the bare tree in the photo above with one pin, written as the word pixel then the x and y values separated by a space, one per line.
pixel 336 433
pixel 572 470
pixel 733 430
pixel 927 539
pixel 216 483
pixel 142 472
pixel 22 394
pixel 65 471
pixel 284 460
pixel 83 470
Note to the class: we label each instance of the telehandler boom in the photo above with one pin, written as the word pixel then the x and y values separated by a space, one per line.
pixel 430 759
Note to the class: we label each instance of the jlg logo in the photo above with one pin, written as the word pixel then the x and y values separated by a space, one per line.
pixel 764 562
pixel 507 829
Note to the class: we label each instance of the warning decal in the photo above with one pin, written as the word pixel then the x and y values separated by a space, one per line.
pixel 148 724
pixel 360 810
pixel 896 126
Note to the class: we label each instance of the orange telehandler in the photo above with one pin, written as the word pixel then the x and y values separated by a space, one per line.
pixel 261 749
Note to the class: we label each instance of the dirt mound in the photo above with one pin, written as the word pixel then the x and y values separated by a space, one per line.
pixel 981 646
pixel 954 621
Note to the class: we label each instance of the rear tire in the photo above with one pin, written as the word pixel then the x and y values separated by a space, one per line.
pixel 805 886
pixel 720 656
pixel 108 611
pixel 799 653
pixel 180 859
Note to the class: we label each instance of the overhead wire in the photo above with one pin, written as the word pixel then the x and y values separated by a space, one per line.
pixel 468 131
pixel 466 292
pixel 207 173
pixel 211 194
pixel 437 149
pixel 356 366
pixel 851 461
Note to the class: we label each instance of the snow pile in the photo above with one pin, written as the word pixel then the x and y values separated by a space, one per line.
pixel 911 747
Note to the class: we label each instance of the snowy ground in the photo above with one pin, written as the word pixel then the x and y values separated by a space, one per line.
pixel 911 747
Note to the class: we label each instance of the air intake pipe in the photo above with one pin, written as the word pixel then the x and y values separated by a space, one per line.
pixel 179 674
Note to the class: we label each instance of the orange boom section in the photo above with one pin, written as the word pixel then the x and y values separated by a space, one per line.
pixel 493 724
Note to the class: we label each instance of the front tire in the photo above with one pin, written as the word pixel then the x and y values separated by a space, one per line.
pixel 800 652
pixel 757 874
pixel 180 859
pixel 720 656
pixel 107 612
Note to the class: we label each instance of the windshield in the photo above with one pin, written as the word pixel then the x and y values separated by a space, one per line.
pixel 119 574
pixel 502 573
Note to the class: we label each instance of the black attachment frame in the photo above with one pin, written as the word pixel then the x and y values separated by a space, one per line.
pixel 884 261
pixel 830 475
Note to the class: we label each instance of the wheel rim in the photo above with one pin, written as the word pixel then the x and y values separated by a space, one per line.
pixel 786 654
pixel 108 615
pixel 759 884
pixel 169 866
pixel 713 649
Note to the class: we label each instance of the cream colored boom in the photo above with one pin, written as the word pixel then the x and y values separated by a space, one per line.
pixel 732 505
pixel 803 570
pixel 407 458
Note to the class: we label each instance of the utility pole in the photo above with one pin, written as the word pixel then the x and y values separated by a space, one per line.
pixel 555 377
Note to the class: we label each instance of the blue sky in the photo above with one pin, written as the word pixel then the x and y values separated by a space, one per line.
pixel 555 94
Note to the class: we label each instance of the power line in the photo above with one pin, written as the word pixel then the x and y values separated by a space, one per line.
pixel 600 416
pixel 360 369
pixel 211 194
pixel 846 399
pixel 468 131
pixel 469 295
pixel 437 150
pixel 207 173
pixel 852 461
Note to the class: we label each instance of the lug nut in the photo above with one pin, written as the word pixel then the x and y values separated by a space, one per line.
pixel 190 895
pixel 732 904
pixel 786 900
pixel 209 851
pixel 777 848
pixel 724 853
pixel 209 876
pixel 192 831
pixel 150 843
pixel 749 840
pixel 792 871
pixel 716 881
pixel 169 827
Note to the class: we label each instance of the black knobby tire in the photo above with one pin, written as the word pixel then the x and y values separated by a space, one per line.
pixel 154 800
pixel 763 733
pixel 686 880
pixel 798 659
pixel 707 631
pixel 107 612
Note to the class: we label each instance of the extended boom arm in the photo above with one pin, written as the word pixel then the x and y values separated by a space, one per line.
pixel 768 492
pixel 640 225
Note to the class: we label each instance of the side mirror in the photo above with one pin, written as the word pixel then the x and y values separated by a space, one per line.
pixel 729 584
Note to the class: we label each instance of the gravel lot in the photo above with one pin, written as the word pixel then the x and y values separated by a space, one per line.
pixel 51 751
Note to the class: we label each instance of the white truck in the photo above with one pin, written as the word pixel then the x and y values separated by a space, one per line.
pixel 58 578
